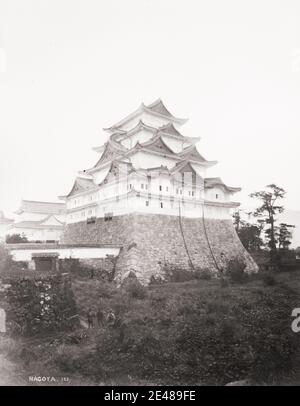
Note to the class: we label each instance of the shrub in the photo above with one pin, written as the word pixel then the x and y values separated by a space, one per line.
pixel 236 270
pixel 204 274
pixel 40 305
pixel 269 279
pixel 175 274
pixel 156 280
pixel 274 356
pixel 5 259
pixel 136 290
pixel 224 283
pixel 189 333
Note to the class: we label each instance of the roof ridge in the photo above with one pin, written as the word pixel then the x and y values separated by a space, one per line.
pixel 41 201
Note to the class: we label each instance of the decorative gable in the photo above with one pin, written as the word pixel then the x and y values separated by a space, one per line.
pixel 80 185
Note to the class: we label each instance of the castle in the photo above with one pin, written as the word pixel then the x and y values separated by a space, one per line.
pixel 149 192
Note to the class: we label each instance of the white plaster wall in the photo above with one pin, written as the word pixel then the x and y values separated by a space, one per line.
pixel 216 212
pixel 141 136
pixel 146 160
pixel 223 196
pixel 80 253
pixel 37 234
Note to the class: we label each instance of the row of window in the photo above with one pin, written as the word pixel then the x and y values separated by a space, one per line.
pixel 92 212
pixel 78 202
pixel 160 188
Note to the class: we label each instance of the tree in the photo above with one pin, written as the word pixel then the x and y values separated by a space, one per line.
pixel 249 234
pixel 237 220
pixel 267 211
pixel 285 235
pixel 250 237
pixel 16 239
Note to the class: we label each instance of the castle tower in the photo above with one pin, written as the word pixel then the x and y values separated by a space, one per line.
pixel 149 191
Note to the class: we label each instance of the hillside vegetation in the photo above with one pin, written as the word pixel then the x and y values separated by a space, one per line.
pixel 194 332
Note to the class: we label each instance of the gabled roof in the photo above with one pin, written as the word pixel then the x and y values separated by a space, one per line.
pixel 211 182
pixel 193 154
pixel 156 144
pixel 80 185
pixel 156 108
pixel 117 137
pixel 170 129
pixel 40 224
pixel 115 170
pixel 181 165
pixel 33 206
pixel 51 217
pixel 111 151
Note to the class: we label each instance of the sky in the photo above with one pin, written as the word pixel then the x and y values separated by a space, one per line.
pixel 68 68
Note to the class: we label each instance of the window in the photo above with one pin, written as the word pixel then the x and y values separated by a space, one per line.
pixel 142 186
pixel 91 220
pixel 108 216
pixel 147 203
pixel 160 188
pixel 146 187
pixel 193 193
pixel 180 191
pixel 167 189
pixel 161 205
pixel 217 196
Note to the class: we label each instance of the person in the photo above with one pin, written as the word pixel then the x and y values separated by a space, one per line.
pixel 90 318
pixel 100 317
pixel 111 318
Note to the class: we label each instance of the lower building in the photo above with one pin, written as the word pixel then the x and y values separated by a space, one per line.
pixel 5 223
pixel 39 221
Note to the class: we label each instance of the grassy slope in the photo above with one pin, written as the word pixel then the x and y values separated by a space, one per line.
pixel 192 332
pixel 196 331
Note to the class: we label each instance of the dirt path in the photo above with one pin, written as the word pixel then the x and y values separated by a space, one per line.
pixel 8 373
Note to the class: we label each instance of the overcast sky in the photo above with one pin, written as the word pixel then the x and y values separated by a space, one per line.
pixel 69 68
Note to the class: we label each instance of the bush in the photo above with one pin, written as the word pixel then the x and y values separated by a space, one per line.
pixel 187 333
pixel 35 306
pixel 136 290
pixel 236 270
pixel 269 279
pixel 204 274
pixel 173 273
pixel 5 259
pixel 176 274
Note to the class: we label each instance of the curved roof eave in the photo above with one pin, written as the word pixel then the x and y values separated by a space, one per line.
pixel 147 109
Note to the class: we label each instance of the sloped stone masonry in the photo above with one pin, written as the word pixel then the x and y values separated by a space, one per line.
pixel 150 241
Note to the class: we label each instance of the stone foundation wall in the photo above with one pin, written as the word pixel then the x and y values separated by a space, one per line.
pixel 150 241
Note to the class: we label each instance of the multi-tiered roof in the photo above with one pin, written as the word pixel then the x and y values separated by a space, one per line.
pixel 152 133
